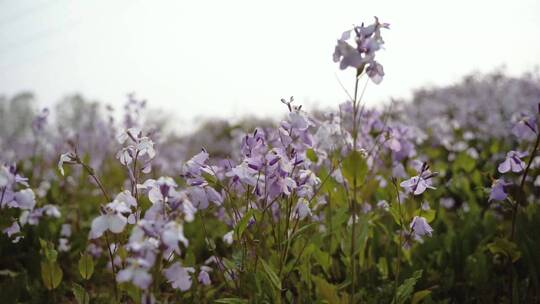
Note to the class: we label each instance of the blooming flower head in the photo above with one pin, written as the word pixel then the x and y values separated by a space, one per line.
pixel 513 162
pixel 418 184
pixel 178 276
pixel 420 226
pixel 137 272
pixel 112 219
pixel 368 41
pixel 498 192
pixel 526 127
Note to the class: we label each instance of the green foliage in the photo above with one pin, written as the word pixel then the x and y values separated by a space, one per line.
pixel 86 266
pixel 406 289
pixel 80 293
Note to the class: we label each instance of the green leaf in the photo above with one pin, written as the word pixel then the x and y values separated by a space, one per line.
pixel 86 266
pixel 420 295
pixel 405 290
pixel 231 301
pixel 298 232
pixel 465 162
pixel 271 274
pixel 354 165
pixel 504 247
pixel 242 224
pixel 326 290
pixel 311 155
pixel 429 215
pixel 51 273
pixel 80 293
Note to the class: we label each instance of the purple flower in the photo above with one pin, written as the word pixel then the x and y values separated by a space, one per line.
pixel 111 220
pixel 526 127
pixel 137 273
pixel 497 190
pixel 418 184
pixel 178 276
pixel 204 276
pixel 13 229
pixel 420 226
pixel 368 42
pixel 512 162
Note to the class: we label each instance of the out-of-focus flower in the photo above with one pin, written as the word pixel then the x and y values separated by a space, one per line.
pixel 111 220
pixel 13 229
pixel 383 205
pixel 513 162
pixel 228 237
pixel 64 158
pixel 178 276
pixel 526 127
pixel 497 192
pixel 447 202
pixel 137 272
pixel 420 226
pixel 204 276
pixel 302 210
pixel 65 230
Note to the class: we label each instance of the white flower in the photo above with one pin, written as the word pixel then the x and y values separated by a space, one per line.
pixel 173 233
pixel 137 273
pixel 124 156
pixel 64 158
pixel 63 245
pixel 115 222
pixel 302 209
pixel 383 205
pixel 66 230
pixel 179 276
pixel 124 135
pixel 26 199
pixel 228 237
pixel 5 177
pixel 146 146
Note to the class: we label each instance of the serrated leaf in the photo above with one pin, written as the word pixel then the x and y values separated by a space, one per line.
pixel 86 266
pixel 80 293
pixel 51 273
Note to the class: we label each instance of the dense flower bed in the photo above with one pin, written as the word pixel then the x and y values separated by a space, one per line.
pixel 434 200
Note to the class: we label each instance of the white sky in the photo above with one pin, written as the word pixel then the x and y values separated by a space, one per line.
pixel 230 58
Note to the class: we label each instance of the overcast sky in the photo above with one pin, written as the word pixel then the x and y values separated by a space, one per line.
pixel 230 58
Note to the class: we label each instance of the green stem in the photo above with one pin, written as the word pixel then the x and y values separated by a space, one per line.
pixel 354 198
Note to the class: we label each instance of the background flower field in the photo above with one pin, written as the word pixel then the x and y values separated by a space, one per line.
pixel 432 199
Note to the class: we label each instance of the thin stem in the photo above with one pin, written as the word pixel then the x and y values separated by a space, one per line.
pixel 92 174
pixel 354 198
pixel 522 185
pixel 111 256
pixel 400 244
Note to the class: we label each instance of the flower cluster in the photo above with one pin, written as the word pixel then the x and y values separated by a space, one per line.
pixel 15 194
pixel 368 41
